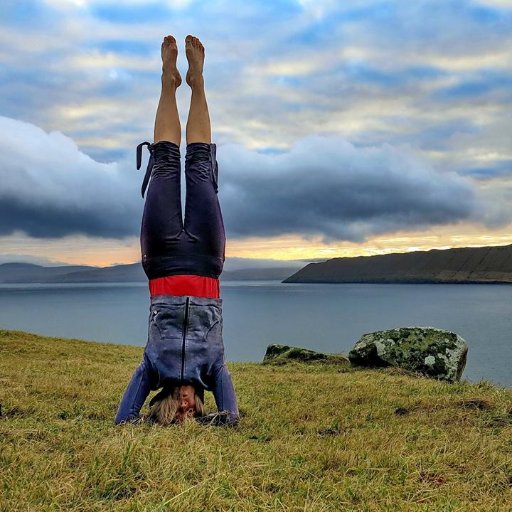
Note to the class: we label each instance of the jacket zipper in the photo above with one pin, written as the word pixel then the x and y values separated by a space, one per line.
pixel 185 327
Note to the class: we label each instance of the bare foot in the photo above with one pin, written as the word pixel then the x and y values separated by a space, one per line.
pixel 169 52
pixel 195 56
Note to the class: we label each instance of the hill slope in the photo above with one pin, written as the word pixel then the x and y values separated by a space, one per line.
pixel 11 273
pixel 30 273
pixel 316 438
pixel 460 265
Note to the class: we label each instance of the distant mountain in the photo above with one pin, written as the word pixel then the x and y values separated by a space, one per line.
pixel 258 274
pixel 30 273
pixel 131 273
pixel 11 273
pixel 459 265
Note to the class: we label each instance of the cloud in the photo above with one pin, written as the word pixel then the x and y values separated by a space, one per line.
pixel 496 3
pixel 51 189
pixel 326 186
pixel 367 70
pixel 244 263
pixel 323 186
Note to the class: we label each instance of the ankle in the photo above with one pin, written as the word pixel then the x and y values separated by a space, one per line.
pixel 195 81
pixel 169 80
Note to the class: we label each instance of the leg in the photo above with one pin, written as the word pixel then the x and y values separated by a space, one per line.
pixel 162 218
pixel 167 121
pixel 224 393
pixel 136 393
pixel 198 124
pixel 203 217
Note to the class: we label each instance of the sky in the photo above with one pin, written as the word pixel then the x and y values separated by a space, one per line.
pixel 342 128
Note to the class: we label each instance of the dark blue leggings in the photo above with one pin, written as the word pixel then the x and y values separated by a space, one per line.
pixel 171 246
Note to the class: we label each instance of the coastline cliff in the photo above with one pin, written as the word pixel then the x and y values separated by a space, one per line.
pixel 459 265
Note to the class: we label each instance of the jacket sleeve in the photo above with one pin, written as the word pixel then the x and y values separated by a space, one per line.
pixel 136 393
pixel 224 392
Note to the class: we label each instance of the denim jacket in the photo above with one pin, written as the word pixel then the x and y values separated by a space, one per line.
pixel 185 339
pixel 184 347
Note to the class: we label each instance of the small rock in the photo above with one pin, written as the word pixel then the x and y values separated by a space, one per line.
pixel 281 354
pixel 433 352
pixel 331 431
pixel 475 403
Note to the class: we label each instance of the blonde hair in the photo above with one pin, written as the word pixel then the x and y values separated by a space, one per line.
pixel 164 406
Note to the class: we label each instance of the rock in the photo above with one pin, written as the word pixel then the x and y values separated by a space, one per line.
pixel 282 354
pixel 433 352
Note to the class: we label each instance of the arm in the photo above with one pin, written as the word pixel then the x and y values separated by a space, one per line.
pixel 224 393
pixel 136 393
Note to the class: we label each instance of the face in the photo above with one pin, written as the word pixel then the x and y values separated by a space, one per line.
pixel 187 402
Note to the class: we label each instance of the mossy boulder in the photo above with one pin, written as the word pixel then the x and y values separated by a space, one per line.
pixel 433 352
pixel 282 354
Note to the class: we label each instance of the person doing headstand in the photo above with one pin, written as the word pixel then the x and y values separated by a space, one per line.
pixel 183 260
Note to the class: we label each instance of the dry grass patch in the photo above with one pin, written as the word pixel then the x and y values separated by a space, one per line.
pixel 311 438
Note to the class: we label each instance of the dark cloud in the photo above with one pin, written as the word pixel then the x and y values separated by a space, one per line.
pixel 324 186
pixel 55 220
pixel 487 172
pixel 49 189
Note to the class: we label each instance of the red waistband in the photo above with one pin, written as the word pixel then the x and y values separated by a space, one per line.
pixel 196 286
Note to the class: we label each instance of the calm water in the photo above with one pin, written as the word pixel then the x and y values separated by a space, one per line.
pixel 324 317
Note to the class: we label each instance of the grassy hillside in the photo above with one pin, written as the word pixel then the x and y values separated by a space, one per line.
pixel 311 438
pixel 457 265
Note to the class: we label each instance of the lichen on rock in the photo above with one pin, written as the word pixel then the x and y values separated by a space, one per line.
pixel 433 352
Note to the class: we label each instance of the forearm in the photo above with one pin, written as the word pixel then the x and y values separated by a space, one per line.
pixel 224 392
pixel 135 395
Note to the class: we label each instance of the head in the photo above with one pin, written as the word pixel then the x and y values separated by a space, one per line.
pixel 175 405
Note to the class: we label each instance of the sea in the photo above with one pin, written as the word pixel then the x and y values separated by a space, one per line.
pixel 323 317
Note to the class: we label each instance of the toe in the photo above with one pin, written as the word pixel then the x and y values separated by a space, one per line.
pixel 168 40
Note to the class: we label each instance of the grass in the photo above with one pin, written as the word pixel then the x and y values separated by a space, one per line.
pixel 312 438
